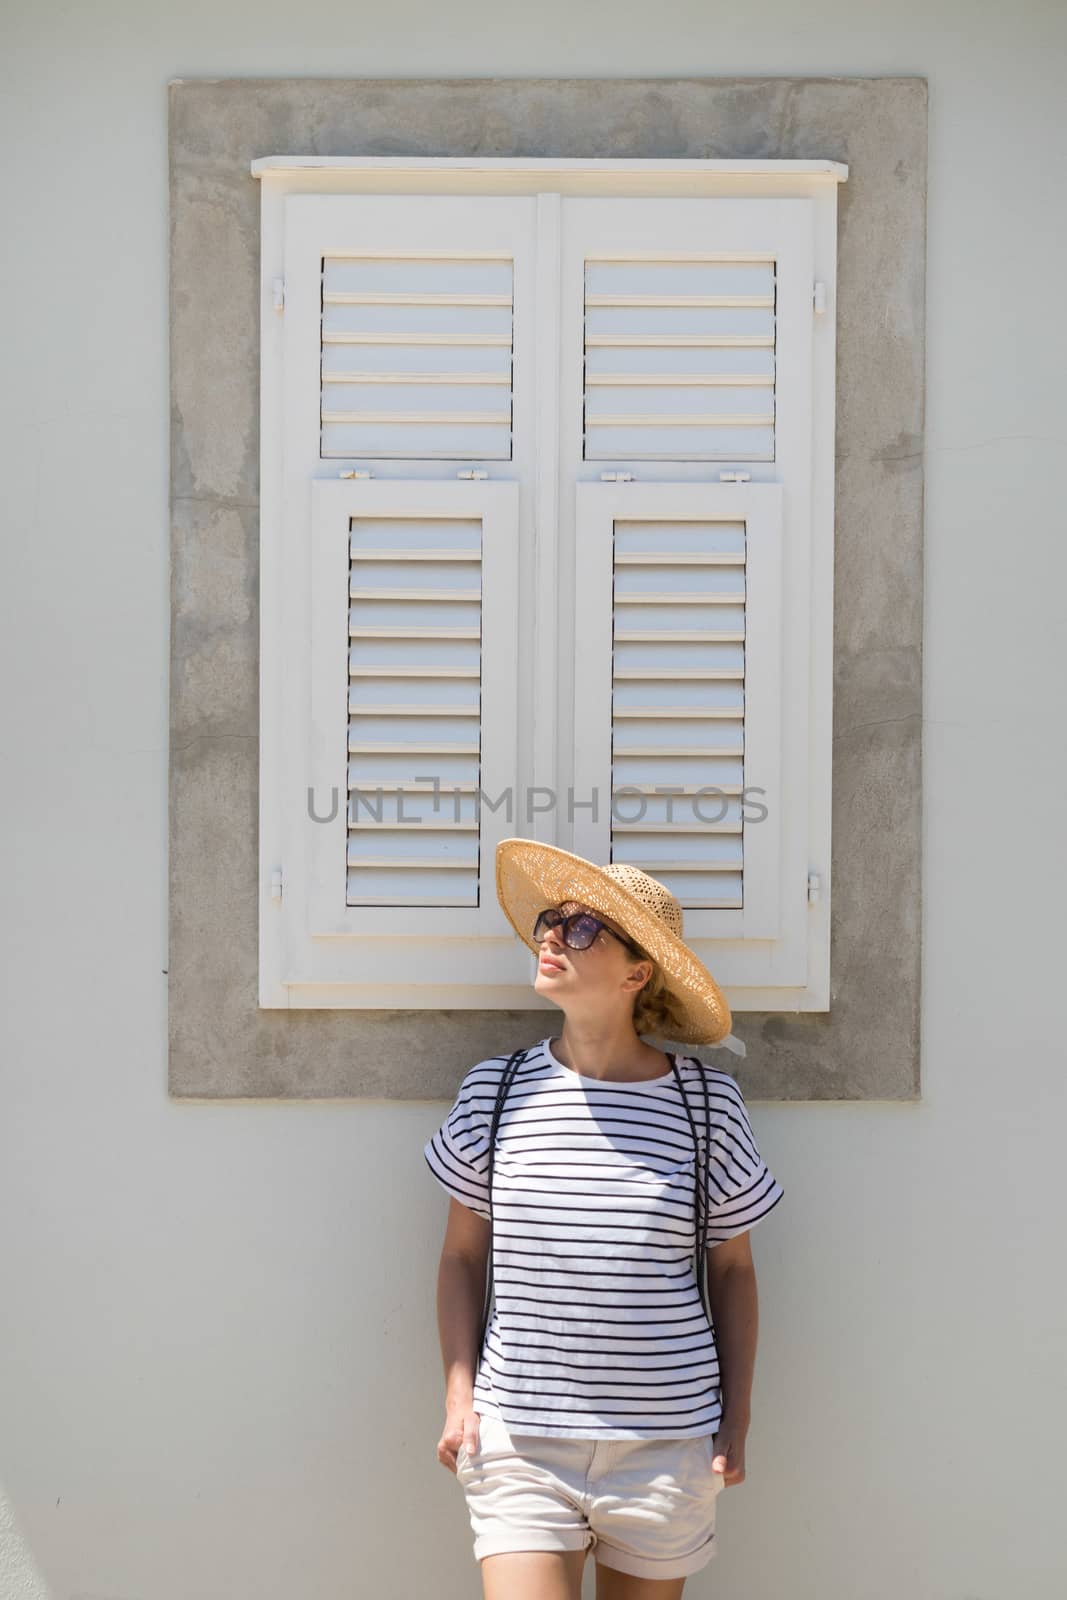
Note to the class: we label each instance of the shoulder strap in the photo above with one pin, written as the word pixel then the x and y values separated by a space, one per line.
pixel 514 1061
pixel 700 1180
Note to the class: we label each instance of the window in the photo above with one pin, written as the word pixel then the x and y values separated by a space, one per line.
pixel 546 549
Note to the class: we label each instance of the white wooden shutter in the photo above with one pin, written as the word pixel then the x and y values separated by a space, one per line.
pixel 406 320
pixel 691 320
pixel 448 379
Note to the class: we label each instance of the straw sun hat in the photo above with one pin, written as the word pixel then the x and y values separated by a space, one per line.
pixel 531 875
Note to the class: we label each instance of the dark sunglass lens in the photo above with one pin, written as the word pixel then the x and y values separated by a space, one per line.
pixel 583 930
pixel 549 918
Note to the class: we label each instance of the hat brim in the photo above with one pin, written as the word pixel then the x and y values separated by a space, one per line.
pixel 531 875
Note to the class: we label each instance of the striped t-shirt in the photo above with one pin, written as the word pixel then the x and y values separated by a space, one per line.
pixel 597 1329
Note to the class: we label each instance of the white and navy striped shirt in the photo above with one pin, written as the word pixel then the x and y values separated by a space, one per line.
pixel 597 1330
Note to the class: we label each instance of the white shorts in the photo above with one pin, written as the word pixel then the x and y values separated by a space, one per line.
pixel 646 1506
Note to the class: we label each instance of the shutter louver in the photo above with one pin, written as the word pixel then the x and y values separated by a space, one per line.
pixel 416 358
pixel 414 704
pixel 679 360
pixel 678 705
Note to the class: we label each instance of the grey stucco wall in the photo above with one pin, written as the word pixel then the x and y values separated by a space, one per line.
pixel 221 1043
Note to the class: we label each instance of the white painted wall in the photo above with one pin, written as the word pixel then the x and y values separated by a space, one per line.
pixel 219 1373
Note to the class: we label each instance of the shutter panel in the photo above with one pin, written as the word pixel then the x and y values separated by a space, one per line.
pixel 405 319
pixel 413 607
pixel 416 358
pixel 679 360
pixel 677 692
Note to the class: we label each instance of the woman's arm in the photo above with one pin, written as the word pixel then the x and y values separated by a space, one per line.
pixel 734 1301
pixel 461 1277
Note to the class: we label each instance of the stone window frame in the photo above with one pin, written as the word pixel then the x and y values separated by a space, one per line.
pixel 222 1045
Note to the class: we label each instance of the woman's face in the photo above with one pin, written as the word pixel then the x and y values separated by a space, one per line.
pixel 605 977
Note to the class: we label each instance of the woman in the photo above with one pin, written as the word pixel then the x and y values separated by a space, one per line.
pixel 599 1411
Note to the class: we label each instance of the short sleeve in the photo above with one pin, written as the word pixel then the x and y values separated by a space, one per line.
pixel 741 1187
pixel 458 1153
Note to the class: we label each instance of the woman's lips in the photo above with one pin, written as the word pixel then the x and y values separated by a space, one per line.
pixel 548 965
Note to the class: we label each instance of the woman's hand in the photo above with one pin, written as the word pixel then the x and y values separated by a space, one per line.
pixel 461 1428
pixel 728 1453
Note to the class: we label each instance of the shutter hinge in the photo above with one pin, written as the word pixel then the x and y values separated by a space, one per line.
pixel 354 472
pixel 818 298
pixel 735 477
pixel 279 294
pixel 814 887
pixel 276 884
pixel 617 477
pixel 472 472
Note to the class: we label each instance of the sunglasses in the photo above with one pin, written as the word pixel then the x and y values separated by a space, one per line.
pixel 578 930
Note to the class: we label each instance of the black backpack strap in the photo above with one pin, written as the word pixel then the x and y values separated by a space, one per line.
pixel 700 1182
pixel 702 1274
pixel 515 1060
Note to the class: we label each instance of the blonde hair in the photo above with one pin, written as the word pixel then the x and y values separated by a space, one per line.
pixel 655 1009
